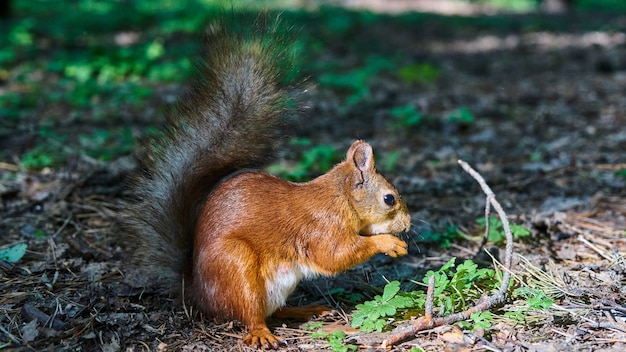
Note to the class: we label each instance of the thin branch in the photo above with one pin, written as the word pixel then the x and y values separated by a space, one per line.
pixel 30 312
pixel 430 296
pixel 508 256
pixel 487 223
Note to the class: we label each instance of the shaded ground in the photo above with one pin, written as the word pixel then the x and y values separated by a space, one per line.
pixel 547 97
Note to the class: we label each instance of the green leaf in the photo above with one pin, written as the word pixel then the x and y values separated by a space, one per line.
pixel 467 266
pixel 419 73
pixel 379 325
pixel 13 254
pixel 405 116
pixel 314 325
pixel 401 301
pixel 390 160
pixel 319 335
pixel 496 230
pixel 391 289
pixel 481 320
pixel 447 266
pixel 540 302
pixel 519 231
pixel 387 310
pixel 154 50
pixel 463 115
pixel 358 318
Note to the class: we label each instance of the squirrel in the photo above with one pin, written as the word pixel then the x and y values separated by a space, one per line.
pixel 241 240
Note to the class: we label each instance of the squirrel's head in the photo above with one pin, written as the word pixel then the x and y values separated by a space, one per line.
pixel 379 206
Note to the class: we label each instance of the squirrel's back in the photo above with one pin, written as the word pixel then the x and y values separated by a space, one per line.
pixel 226 122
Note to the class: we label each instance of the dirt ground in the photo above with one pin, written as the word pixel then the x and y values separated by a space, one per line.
pixel 548 136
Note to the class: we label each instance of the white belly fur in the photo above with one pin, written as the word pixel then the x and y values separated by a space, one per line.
pixel 283 283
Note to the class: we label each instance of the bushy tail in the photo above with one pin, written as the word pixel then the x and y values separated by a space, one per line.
pixel 228 121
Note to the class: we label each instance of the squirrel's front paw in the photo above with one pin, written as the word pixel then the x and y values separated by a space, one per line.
pixel 391 245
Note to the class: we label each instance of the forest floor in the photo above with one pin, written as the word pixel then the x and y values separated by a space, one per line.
pixel 536 103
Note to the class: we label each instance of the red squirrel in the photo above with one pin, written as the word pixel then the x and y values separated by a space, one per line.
pixel 242 240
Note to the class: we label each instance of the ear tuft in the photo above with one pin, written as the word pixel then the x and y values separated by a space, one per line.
pixel 361 154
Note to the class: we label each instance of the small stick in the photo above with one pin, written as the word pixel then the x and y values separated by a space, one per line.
pixel 582 239
pixel 430 296
pixel 30 312
pixel 487 223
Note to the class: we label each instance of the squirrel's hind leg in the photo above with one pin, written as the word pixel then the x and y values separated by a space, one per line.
pixel 306 312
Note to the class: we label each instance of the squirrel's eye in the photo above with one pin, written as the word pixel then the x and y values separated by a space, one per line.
pixel 389 199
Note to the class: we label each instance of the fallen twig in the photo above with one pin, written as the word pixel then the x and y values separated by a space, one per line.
pixel 427 321
pixel 430 296
pixel 30 312
pixel 491 198
pixel 600 252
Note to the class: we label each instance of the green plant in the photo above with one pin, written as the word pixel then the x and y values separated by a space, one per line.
pixel 21 33
pixel 101 144
pixel 390 160
pixel 13 105
pixel 456 288
pixel 512 5
pixel 314 160
pixel 404 117
pixel 104 145
pixel 335 339
pixel 621 173
pixel 419 73
pixel 496 233
pixel 463 116
pixel 444 239
pixel 479 320
pixel 49 151
pixel 536 157
pixel 355 83
pixel 372 315
pixel 529 301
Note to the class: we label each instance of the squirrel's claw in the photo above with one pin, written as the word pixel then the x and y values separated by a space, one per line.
pixel 263 339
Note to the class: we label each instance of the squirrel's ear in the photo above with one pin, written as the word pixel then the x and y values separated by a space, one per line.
pixel 361 154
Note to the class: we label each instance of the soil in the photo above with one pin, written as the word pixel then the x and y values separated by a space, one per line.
pixel 548 136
